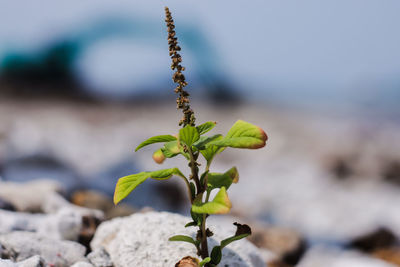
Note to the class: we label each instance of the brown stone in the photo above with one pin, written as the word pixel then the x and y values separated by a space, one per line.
pixel 380 238
pixel 278 264
pixel 96 200
pixel 391 255
pixel 187 262
pixel 287 244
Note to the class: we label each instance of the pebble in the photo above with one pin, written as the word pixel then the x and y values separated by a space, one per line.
pixel 21 197
pixel 23 245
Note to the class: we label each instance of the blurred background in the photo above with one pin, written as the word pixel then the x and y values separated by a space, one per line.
pixel 83 83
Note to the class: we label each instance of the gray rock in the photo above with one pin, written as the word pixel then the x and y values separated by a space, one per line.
pixel 100 258
pixel 5 205
pixel 23 245
pixel 142 240
pixel 28 196
pixel 82 264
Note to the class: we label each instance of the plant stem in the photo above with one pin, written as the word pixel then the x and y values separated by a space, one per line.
pixel 195 171
pixel 204 245
pixel 203 251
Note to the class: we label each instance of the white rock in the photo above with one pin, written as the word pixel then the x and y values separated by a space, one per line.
pixel 28 196
pixel 55 202
pixel 100 258
pixel 23 245
pixel 142 240
pixel 34 261
pixel 13 221
pixel 330 257
pixel 7 263
pixel 82 264
pixel 65 224
pixel 63 221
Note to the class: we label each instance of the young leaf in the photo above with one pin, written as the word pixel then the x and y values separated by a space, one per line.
pixel 158 156
pixel 165 173
pixel 204 140
pixel 203 262
pixel 218 180
pixel 205 127
pixel 184 238
pixel 210 151
pixel 127 184
pixel 243 135
pixel 156 139
pixel 216 255
pixel 242 231
pixel 219 205
pixel 189 135
pixel 171 149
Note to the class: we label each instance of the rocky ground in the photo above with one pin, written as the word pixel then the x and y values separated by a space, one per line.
pixel 323 192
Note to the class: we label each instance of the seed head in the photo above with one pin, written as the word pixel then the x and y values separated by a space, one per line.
pixel 182 102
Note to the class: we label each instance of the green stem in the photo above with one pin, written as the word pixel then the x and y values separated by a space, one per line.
pixel 195 170
pixel 200 190
pixel 208 195
pixel 204 245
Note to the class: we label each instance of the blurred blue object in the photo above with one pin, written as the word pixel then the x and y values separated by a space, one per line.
pixel 57 63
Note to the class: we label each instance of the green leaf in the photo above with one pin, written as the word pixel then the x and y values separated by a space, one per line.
pixel 204 140
pixel 203 262
pixel 210 151
pixel 203 176
pixel 127 184
pixel 189 135
pixel 184 238
pixel 192 189
pixel 218 180
pixel 165 173
pixel 205 127
pixel 156 139
pixel 243 135
pixel 242 231
pixel 219 205
pixel 158 156
pixel 197 218
pixel 191 224
pixel 216 255
pixel 171 149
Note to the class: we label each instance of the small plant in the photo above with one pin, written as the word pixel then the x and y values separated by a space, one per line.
pixel 191 143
